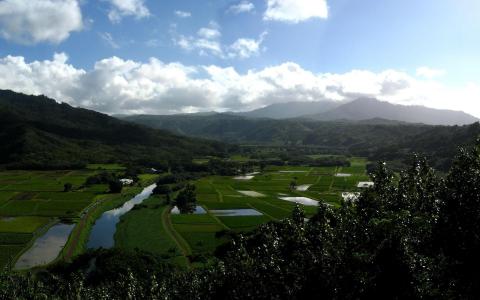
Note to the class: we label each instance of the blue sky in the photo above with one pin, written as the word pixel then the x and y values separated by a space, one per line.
pixel 420 52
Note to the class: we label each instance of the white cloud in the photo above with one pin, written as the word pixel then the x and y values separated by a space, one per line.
pixel 206 41
pixel 115 85
pixel 124 8
pixel 183 14
pixel 245 48
pixel 211 32
pixel 295 11
pixel 31 22
pixel 54 78
pixel 430 73
pixel 242 7
pixel 108 38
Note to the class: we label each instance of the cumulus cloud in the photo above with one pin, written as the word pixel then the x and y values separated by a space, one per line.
pixel 430 73
pixel 245 48
pixel 124 8
pixel 31 22
pixel 115 85
pixel 207 42
pixel 295 11
pixel 210 33
pixel 183 14
pixel 242 7
pixel 54 78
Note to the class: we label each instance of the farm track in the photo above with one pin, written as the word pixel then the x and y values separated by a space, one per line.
pixel 81 226
pixel 220 222
pixel 174 235
pixel 271 217
pixel 337 170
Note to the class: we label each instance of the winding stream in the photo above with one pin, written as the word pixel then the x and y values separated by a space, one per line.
pixel 104 229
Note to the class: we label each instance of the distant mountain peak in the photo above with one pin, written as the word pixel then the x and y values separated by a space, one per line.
pixel 370 108
pixel 289 110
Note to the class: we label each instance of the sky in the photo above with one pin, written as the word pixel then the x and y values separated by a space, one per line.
pixel 177 56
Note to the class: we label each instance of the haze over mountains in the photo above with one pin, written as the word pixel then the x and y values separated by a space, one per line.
pixel 360 110
pixel 291 109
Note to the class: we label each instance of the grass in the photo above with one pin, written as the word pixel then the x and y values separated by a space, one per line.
pixel 22 224
pixel 217 192
pixel 143 229
pixel 29 200
pixel 8 253
pixel 14 238
pixel 245 222
pixel 106 167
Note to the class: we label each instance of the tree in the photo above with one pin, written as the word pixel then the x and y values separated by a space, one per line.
pixel 163 189
pixel 67 187
pixel 459 220
pixel 186 199
pixel 293 184
pixel 263 165
pixel 168 199
pixel 115 186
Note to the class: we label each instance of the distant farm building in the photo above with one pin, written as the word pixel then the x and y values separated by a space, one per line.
pixel 365 184
pixel 126 181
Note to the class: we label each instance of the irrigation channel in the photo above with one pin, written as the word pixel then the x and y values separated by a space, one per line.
pixel 46 248
pixel 104 229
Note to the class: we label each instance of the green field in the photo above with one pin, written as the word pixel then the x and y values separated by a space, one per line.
pixel 143 229
pixel 152 228
pixel 31 201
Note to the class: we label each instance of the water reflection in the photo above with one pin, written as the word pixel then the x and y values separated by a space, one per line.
pixel 198 210
pixel 104 229
pixel 302 200
pixel 235 212
pixel 46 248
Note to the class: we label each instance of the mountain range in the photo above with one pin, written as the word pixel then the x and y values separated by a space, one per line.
pixel 38 132
pixel 361 110
pixel 377 139
pixel 291 109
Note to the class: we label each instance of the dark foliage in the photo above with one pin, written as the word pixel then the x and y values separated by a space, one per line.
pixel 101 178
pixel 186 199
pixel 115 186
pixel 39 133
pixel 162 190
pixel 67 187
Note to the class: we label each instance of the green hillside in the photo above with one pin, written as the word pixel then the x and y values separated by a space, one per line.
pixel 376 139
pixel 38 132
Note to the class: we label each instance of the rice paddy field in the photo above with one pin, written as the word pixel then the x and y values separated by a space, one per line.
pixel 227 205
pixel 32 201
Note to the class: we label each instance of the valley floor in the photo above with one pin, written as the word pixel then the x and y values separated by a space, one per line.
pixel 32 201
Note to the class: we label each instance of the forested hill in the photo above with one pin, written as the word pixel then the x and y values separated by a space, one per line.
pixel 38 132
pixel 376 139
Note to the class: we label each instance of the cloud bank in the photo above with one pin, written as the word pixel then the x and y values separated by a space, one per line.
pixel 34 21
pixel 115 85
